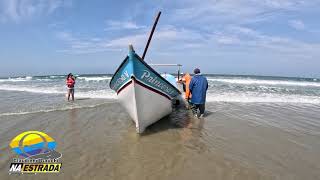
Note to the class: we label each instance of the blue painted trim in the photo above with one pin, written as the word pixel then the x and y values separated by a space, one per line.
pixel 134 66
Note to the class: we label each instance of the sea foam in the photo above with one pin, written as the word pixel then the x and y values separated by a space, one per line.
pixel 266 82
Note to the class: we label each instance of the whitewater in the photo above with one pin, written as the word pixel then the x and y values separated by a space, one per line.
pixel 222 88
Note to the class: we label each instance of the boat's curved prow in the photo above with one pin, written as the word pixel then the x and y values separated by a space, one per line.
pixel 144 93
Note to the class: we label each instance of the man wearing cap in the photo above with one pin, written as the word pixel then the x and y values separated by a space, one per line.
pixel 198 88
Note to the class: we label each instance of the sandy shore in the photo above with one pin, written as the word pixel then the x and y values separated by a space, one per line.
pixel 234 141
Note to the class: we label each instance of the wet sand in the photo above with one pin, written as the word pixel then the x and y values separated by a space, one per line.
pixel 234 141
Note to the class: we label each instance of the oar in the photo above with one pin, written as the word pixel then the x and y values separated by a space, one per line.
pixel 150 36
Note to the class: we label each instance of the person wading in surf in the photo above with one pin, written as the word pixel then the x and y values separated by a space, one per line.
pixel 198 88
pixel 70 81
pixel 186 82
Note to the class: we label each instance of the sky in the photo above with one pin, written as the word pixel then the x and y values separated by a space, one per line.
pixel 258 37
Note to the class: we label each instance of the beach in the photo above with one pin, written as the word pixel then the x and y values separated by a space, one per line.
pixel 253 129
pixel 160 90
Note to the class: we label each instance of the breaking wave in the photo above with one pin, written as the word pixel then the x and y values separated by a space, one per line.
pixel 262 98
pixel 104 78
pixel 105 94
pixel 221 88
pixel 265 82
pixel 18 79
pixel 52 110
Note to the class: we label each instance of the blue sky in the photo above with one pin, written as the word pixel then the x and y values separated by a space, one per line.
pixel 261 37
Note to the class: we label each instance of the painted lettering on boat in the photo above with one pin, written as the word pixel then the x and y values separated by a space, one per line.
pixel 146 76
pixel 124 76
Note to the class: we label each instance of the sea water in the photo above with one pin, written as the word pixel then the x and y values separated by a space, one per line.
pixel 30 94
pixel 224 88
pixel 255 128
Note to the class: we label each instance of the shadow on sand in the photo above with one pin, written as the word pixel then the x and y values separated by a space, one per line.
pixel 179 118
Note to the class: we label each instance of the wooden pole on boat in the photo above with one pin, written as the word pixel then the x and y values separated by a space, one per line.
pixel 150 36
pixel 178 73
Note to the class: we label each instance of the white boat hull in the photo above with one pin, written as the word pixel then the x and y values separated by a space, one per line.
pixel 144 93
pixel 144 105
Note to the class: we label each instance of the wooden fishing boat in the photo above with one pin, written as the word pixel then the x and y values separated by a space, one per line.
pixel 144 93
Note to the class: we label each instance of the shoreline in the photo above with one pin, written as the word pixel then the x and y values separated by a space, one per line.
pixel 257 141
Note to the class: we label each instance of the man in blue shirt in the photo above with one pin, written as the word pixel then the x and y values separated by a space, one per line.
pixel 198 88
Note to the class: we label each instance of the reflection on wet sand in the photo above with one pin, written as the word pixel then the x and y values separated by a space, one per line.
pixel 234 141
pixel 173 149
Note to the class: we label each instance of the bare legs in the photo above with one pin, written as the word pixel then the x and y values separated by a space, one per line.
pixel 71 92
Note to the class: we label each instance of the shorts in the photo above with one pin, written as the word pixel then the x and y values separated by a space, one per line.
pixel 71 90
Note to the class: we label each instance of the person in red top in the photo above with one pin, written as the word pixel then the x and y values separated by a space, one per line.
pixel 70 81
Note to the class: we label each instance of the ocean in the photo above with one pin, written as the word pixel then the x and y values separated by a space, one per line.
pixel 45 92
pixel 255 127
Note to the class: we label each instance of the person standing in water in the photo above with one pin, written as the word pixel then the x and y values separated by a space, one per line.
pixel 186 82
pixel 186 79
pixel 198 88
pixel 70 81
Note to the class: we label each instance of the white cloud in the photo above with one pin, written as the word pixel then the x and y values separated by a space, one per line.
pixel 247 38
pixel 167 36
pixel 283 4
pixel 169 39
pixel 19 10
pixel 297 24
pixel 114 25
pixel 234 11
pixel 76 45
pixel 206 28
pixel 57 24
pixel 228 40
pixel 65 36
